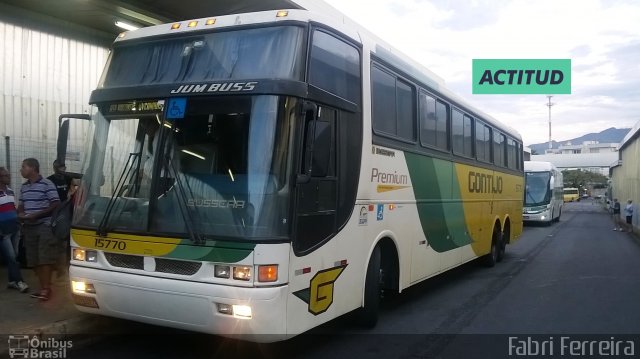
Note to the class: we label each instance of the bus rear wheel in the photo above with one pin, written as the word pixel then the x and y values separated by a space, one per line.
pixel 491 258
pixel 504 238
pixel 367 315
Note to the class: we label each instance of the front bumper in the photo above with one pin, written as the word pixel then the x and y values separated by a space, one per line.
pixel 185 304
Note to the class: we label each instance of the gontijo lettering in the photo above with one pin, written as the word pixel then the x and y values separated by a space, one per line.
pixel 484 183
pixel 535 76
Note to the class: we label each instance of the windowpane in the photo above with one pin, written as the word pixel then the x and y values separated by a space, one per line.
pixel 457 132
pixel 405 111
pixel 335 66
pixel 483 142
pixel 384 101
pixel 442 120
pixel 427 120
pixel 498 148
pixel 512 154
pixel 467 137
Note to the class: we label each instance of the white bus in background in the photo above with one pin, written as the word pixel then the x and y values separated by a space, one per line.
pixel 543 195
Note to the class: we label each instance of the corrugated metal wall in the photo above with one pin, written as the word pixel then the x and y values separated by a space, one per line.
pixel 625 181
pixel 41 77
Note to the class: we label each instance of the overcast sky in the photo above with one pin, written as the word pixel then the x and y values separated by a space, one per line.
pixel 601 37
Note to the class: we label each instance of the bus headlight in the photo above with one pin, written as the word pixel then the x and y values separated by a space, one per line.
pixel 242 311
pixel 84 255
pixel 82 287
pixel 242 273
pixel 221 271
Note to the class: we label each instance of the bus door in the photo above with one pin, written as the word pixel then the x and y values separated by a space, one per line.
pixel 72 152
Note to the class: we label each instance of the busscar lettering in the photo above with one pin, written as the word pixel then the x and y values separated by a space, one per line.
pixel 214 203
pixel 216 87
pixel 391 178
pixel 484 183
pixel 524 77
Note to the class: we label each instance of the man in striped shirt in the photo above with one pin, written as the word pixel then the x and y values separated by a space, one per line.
pixel 38 199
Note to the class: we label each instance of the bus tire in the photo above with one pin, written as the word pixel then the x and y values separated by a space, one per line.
pixel 367 315
pixel 559 214
pixel 504 237
pixel 490 259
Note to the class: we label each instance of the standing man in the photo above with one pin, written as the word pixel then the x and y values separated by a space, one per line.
pixel 628 212
pixel 616 215
pixel 60 180
pixel 38 199
pixel 64 186
pixel 9 233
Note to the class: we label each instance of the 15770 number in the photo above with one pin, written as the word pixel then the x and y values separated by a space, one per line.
pixel 110 244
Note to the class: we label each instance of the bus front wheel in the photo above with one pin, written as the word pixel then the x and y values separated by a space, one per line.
pixel 367 315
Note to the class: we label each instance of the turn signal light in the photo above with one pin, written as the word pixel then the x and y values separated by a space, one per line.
pixel 268 273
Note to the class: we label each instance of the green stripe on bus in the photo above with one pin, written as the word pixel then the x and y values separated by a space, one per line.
pixel 435 185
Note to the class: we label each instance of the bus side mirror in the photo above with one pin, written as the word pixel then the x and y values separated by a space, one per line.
pixel 310 111
pixel 552 182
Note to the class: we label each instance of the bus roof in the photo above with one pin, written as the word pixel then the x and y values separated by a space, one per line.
pixel 321 12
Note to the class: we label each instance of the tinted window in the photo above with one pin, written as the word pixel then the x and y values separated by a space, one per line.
pixel 442 119
pixel 393 105
pixel 434 122
pixel 461 134
pixel 335 66
pixel 457 131
pixel 468 136
pixel 384 101
pixel 273 52
pixel 323 159
pixel 427 120
pixel 498 148
pixel 512 154
pixel 405 110
pixel 483 142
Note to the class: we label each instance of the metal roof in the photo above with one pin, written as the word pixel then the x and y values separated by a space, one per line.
pixel 94 20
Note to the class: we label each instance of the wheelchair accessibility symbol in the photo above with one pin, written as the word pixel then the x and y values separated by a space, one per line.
pixel 176 108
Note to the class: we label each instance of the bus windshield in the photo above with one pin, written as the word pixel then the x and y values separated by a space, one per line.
pixel 537 189
pixel 223 169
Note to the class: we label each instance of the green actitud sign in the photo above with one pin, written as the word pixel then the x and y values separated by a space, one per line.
pixel 521 76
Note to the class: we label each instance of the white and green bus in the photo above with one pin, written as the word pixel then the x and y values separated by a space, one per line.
pixel 543 194
pixel 260 174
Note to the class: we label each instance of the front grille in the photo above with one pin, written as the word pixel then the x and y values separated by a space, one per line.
pixel 125 260
pixel 173 266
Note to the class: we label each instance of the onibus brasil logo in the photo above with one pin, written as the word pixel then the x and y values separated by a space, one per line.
pixel 33 347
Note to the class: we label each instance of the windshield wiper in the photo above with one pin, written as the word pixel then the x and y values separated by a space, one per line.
pixel 181 193
pixel 130 168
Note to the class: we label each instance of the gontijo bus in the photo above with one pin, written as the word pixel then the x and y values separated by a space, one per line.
pixel 262 173
pixel 543 193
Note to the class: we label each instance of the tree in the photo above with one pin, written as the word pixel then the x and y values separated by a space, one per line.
pixel 579 178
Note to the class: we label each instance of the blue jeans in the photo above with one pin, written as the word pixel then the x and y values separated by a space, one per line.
pixel 7 249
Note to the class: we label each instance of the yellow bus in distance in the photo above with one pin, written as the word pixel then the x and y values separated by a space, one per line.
pixel 571 194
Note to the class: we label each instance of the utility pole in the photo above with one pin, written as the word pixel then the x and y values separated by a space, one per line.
pixel 549 104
